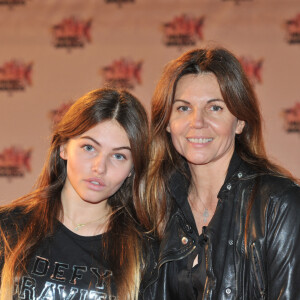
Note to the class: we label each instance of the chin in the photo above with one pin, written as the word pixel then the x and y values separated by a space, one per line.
pixel 94 201
pixel 198 163
pixel 197 160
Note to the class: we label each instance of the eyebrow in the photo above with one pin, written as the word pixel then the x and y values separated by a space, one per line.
pixel 96 142
pixel 209 101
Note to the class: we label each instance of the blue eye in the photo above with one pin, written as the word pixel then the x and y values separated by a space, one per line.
pixel 119 156
pixel 183 108
pixel 88 148
pixel 216 108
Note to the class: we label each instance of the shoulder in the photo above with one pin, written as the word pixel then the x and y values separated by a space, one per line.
pixel 279 188
pixel 150 246
pixel 270 185
pixel 150 258
pixel 272 192
pixel 282 199
pixel 9 212
pixel 12 219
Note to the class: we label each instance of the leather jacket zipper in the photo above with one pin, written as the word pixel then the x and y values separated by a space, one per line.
pixel 168 260
pixel 258 271
pixel 178 258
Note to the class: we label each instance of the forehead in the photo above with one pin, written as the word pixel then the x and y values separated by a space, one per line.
pixel 197 85
pixel 108 131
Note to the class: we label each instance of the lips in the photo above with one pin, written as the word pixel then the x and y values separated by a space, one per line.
pixel 95 184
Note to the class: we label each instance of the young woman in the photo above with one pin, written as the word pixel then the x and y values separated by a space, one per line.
pixel 78 235
pixel 228 218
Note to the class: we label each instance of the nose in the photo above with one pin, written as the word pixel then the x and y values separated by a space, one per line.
pixel 197 118
pixel 100 164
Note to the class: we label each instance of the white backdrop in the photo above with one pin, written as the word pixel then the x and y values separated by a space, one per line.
pixel 52 52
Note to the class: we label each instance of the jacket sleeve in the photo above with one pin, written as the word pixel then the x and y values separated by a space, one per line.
pixel 283 245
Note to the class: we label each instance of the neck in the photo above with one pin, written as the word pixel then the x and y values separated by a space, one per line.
pixel 86 214
pixel 79 210
pixel 85 218
pixel 208 179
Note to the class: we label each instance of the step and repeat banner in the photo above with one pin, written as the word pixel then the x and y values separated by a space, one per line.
pixel 53 51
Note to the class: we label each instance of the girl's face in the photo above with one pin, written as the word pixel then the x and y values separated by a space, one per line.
pixel 201 126
pixel 98 162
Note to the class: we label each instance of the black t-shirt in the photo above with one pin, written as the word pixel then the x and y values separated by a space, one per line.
pixel 67 266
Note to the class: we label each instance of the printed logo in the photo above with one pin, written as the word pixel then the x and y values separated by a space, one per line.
pixel 15 162
pixel 237 1
pixel 57 114
pixel 11 3
pixel 292 118
pixel 252 68
pixel 65 281
pixel 15 75
pixel 71 33
pixel 183 31
pixel 119 2
pixel 122 73
pixel 293 30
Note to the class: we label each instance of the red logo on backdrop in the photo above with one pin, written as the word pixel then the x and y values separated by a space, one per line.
pixel 183 31
pixel 123 73
pixel 57 114
pixel 71 33
pixel 15 162
pixel 12 2
pixel 120 2
pixel 252 68
pixel 237 1
pixel 15 75
pixel 293 30
pixel 292 118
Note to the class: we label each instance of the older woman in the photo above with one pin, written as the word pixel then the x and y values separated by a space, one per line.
pixel 228 218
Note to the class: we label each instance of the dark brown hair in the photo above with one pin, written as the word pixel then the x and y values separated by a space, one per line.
pixel 123 246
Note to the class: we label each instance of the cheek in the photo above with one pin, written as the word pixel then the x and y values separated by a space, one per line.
pixel 120 172
pixel 178 132
pixel 75 165
pixel 72 169
pixel 118 178
pixel 225 128
pixel 176 129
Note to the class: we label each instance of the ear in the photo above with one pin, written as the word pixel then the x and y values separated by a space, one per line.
pixel 168 128
pixel 63 152
pixel 239 127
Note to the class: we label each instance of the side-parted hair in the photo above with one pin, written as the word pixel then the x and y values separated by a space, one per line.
pixel 122 242
pixel 239 97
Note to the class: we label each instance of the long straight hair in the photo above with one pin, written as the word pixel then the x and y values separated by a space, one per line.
pixel 123 245
pixel 239 97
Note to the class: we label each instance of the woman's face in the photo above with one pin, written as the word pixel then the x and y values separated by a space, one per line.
pixel 98 162
pixel 201 126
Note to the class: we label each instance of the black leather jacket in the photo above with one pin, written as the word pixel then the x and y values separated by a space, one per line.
pixel 267 268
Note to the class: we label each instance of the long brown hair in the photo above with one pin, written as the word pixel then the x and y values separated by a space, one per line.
pixel 241 101
pixel 123 243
